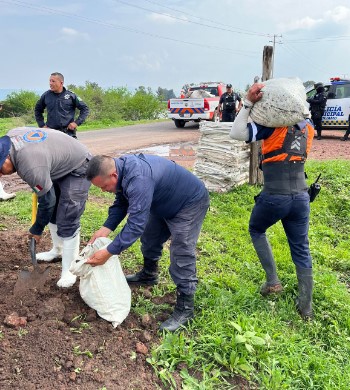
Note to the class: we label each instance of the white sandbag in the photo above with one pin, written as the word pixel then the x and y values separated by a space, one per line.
pixel 283 103
pixel 104 287
pixel 200 94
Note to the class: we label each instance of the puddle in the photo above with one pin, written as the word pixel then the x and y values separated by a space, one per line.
pixel 184 151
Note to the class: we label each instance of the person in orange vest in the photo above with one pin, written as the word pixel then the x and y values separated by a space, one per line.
pixel 284 196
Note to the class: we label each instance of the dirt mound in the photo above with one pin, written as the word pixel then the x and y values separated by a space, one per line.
pixel 49 339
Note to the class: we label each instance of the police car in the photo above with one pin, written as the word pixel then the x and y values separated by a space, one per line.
pixel 337 112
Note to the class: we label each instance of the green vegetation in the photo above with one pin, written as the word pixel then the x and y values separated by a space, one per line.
pixel 112 107
pixel 238 335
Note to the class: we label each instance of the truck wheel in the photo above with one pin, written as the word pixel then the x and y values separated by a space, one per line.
pixel 179 123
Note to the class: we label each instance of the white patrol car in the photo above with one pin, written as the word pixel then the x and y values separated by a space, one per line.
pixel 337 112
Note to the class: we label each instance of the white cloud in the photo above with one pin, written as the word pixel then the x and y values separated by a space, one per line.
pixel 338 14
pixel 306 23
pixel 143 62
pixel 69 34
pixel 166 18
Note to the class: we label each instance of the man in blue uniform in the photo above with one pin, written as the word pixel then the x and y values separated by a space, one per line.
pixel 60 105
pixel 284 197
pixel 228 101
pixel 162 200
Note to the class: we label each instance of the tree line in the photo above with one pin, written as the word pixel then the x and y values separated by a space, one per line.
pixel 111 104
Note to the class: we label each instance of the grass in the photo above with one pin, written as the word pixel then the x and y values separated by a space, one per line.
pixel 7 124
pixel 237 335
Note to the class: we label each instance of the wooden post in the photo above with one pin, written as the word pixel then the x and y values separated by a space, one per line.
pixel 255 174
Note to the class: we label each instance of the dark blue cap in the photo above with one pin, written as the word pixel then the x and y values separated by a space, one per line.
pixel 5 145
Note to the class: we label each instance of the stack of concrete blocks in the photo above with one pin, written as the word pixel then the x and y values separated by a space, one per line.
pixel 222 163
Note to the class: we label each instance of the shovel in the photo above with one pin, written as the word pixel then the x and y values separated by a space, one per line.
pixel 36 279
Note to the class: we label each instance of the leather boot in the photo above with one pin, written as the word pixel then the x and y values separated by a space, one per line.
pixel 148 276
pixel 264 252
pixel 70 252
pixel 346 135
pixel 183 312
pixel 305 286
pixel 57 243
pixel 5 195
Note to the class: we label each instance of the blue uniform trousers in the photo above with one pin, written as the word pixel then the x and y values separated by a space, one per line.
pixel 293 211
pixel 183 229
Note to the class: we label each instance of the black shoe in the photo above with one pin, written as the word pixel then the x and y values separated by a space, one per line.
pixel 183 313
pixel 143 278
pixel 343 138
pixel 319 137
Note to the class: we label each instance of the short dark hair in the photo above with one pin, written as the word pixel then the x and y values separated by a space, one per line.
pixel 99 166
pixel 59 75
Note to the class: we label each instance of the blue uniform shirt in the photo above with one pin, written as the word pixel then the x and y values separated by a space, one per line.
pixel 148 185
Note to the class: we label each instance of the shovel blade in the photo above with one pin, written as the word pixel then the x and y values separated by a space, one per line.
pixel 31 279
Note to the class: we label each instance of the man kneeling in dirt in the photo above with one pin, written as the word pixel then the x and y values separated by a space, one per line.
pixel 163 200
pixel 54 165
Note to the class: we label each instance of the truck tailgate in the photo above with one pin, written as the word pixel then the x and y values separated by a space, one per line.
pixel 187 103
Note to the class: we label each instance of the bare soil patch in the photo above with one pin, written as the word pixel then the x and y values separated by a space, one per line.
pixel 60 342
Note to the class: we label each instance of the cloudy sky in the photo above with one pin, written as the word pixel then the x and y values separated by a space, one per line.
pixel 158 43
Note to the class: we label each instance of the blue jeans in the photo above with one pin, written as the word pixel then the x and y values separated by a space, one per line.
pixel 293 211
pixel 183 230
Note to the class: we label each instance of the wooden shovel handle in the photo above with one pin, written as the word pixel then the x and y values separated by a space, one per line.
pixel 34 206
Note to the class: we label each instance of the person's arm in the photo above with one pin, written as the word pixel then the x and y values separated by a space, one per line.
pixel 140 195
pixel 83 111
pixel 39 111
pixel 219 105
pixel 46 206
pixel 240 103
pixel 240 129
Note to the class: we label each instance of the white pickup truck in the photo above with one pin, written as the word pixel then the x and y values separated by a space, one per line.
pixel 200 103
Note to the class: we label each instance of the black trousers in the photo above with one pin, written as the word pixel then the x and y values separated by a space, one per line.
pixel 228 116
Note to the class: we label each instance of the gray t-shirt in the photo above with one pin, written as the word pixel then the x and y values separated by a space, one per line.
pixel 41 156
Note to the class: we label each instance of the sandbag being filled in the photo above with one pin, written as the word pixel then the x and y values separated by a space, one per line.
pixel 104 287
pixel 283 103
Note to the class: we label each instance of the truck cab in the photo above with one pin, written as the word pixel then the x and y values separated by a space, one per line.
pixel 337 112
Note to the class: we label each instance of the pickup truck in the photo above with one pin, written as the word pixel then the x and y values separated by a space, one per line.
pixel 337 112
pixel 199 104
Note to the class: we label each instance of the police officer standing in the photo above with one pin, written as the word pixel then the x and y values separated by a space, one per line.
pixel 60 105
pixel 317 107
pixel 228 101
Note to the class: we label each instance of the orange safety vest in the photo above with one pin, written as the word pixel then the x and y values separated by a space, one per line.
pixel 287 144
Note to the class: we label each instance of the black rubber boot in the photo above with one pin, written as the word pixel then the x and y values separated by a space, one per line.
pixel 264 252
pixel 305 286
pixel 183 312
pixel 346 135
pixel 319 135
pixel 148 276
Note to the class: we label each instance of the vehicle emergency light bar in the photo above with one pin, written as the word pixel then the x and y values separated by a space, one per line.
pixel 338 80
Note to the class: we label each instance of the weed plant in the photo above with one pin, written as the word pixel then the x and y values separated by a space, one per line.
pixel 239 339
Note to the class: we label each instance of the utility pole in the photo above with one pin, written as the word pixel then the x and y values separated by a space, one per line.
pixel 273 52
pixel 255 173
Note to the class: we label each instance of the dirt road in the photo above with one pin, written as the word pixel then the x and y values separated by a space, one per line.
pixel 123 139
pixel 161 138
